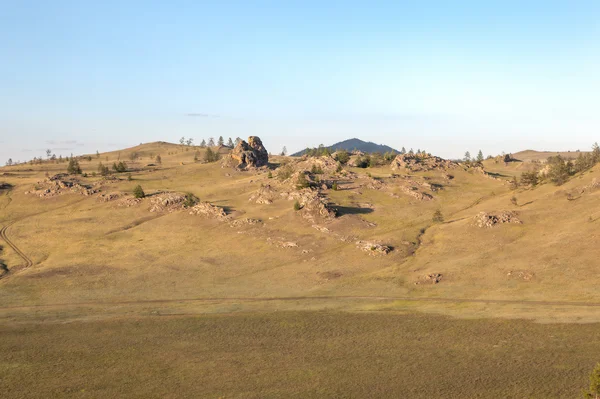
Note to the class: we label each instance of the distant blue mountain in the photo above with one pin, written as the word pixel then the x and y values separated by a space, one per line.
pixel 356 144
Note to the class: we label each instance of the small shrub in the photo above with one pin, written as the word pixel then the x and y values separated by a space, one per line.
pixel 513 200
pixel 342 157
pixel 138 192
pixel 438 217
pixel 270 175
pixel 211 156
pixel 302 182
pixel 129 178
pixel 594 390
pixel 284 172
pixel 334 187
pixel 297 206
pixel 190 200
pixel 73 168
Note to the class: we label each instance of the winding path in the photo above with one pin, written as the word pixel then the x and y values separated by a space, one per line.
pixel 26 259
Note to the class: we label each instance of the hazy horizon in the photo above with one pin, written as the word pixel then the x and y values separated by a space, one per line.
pixel 501 76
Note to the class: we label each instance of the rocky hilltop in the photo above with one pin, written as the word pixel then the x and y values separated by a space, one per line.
pixel 247 155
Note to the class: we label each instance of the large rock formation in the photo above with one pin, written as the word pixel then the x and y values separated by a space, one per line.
pixel 421 162
pixel 251 154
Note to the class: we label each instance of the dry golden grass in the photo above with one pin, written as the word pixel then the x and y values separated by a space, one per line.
pixel 95 261
pixel 297 354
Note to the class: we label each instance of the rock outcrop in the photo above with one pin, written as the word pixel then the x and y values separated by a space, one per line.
pixel 421 163
pixel 265 195
pixel 488 220
pixel 208 210
pixel 61 184
pixel 167 202
pixel 373 248
pixel 248 155
pixel 314 205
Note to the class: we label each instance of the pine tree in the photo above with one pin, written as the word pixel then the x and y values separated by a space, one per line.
pixel 596 153
pixel 138 192
pixel 230 143
pixel 237 141
pixel 284 151
pixel 221 141
pixel 211 142
pixel 73 168
pixel 467 157
pixel 594 390
pixel 480 157
pixel 403 151
pixel 203 143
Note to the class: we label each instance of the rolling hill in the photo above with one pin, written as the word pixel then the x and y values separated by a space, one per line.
pixel 355 144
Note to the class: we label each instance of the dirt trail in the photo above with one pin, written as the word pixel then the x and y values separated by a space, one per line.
pixel 304 298
pixel 26 259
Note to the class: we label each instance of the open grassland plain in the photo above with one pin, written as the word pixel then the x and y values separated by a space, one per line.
pixel 297 354
pixel 260 291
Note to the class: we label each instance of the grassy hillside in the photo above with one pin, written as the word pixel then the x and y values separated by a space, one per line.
pixel 91 260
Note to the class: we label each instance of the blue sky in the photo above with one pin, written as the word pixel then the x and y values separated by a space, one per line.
pixel 77 76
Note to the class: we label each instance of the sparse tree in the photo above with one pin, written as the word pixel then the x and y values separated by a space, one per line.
pixel 190 200
pixel 342 157
pixel 411 152
pixel 103 169
pixel 203 144
pixel 230 143
pixel 9 162
pixel 302 182
pixel 211 142
pixel 97 154
pixel 220 142
pixel 182 140
pixel 189 142
pixel 73 168
pixel 529 178
pixel 596 153
pixel 48 153
pixel 211 156
pixel 559 170
pixel 403 151
pixel 479 157
pixel 467 157
pixel 284 151
pixel 138 192
pixel 593 392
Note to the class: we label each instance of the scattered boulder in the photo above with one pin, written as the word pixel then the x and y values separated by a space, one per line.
pixel 524 275
pixel 248 155
pixel 421 163
pixel 208 210
pixel 264 195
pixel 373 248
pixel 167 202
pixel 244 222
pixel 128 202
pixel 313 204
pixel 488 220
pixel 61 184
pixel 109 197
pixel 432 278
